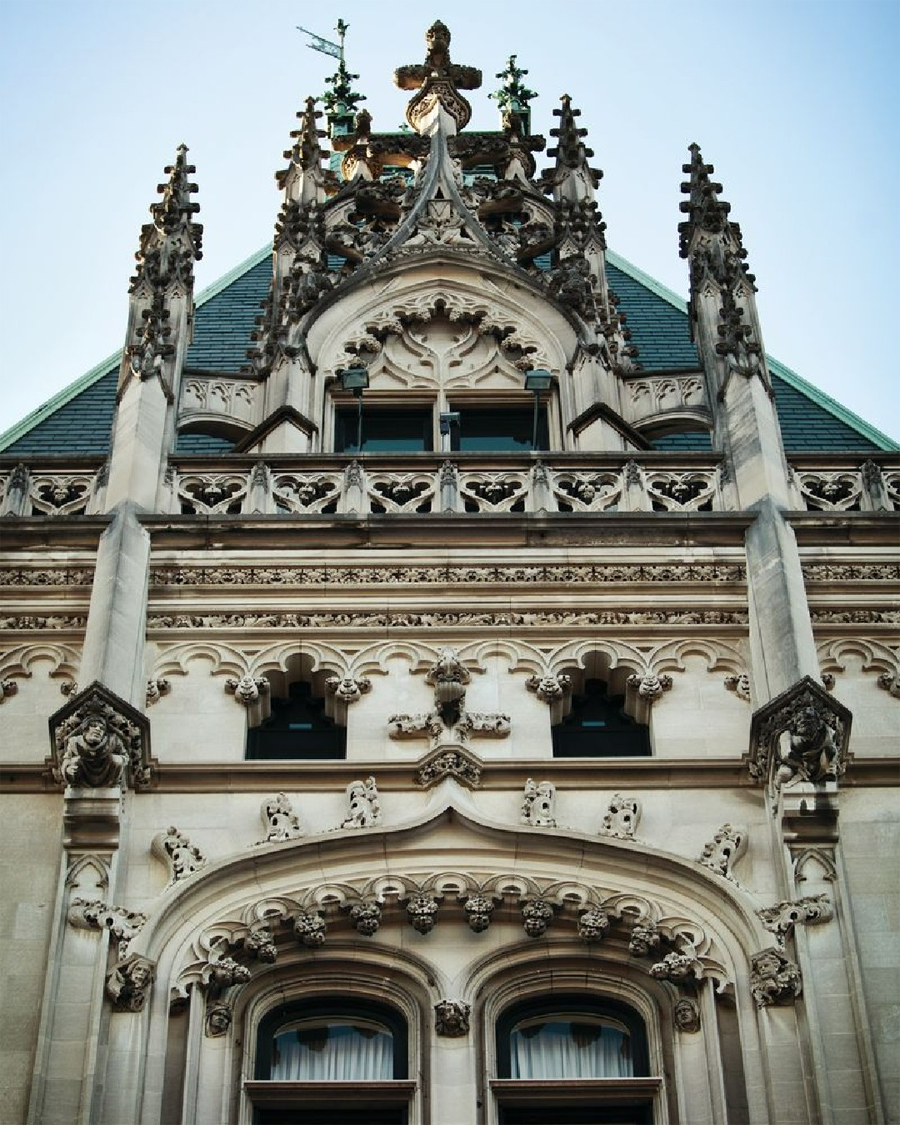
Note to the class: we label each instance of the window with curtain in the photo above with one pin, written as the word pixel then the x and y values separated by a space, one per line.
pixel 570 1045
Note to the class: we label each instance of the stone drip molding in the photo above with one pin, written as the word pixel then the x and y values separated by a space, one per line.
pixel 600 573
pixel 226 953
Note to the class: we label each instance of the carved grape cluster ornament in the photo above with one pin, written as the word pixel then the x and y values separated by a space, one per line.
pixel 536 917
pixel 478 910
pixel 593 924
pixel 310 928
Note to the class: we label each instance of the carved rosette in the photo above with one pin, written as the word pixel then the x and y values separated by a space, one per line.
pixel 774 979
pixel 451 1019
pixel 99 741
pixel 801 735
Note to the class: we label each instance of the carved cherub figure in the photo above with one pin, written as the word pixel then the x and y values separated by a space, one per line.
pixel 94 756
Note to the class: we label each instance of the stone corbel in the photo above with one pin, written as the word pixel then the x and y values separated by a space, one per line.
pixel 800 736
pixel 781 918
pixel 451 1019
pixel 649 685
pixel 128 983
pixel 461 765
pixel 98 741
pixel 123 925
pixel 774 979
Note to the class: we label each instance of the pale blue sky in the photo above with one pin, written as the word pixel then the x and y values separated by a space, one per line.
pixel 796 102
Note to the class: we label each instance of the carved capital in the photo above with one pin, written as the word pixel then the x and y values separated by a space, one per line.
pixel 98 741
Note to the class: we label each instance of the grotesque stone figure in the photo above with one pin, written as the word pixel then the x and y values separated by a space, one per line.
pixel 94 757
pixel 810 752
pixel 128 984
pixel 687 1015
pixel 218 1020
pixel 774 979
pixel 451 1018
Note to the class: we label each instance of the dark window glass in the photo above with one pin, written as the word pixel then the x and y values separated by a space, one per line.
pixel 577 1115
pixel 498 431
pixel 383 431
pixel 598 727
pixel 297 728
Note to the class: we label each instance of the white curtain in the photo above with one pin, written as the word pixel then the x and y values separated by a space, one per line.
pixel 565 1050
pixel 339 1053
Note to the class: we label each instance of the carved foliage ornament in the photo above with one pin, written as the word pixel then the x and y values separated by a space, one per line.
pixel 99 741
pixel 537 804
pixel 774 979
pixel 279 819
pixel 180 856
pixel 723 851
pixel 622 818
pixel 781 918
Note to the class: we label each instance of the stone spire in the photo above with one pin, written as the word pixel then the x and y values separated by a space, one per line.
pixel 160 328
pixel 725 327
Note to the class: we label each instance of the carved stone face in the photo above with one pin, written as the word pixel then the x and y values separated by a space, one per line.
pixel 219 1020
pixel 768 965
pixel 141 976
pixel 94 732
pixel 807 726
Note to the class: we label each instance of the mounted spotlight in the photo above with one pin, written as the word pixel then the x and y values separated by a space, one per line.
pixel 356 380
pixel 537 380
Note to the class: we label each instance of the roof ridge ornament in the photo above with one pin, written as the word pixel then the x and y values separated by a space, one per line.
pixel 513 97
pixel 438 81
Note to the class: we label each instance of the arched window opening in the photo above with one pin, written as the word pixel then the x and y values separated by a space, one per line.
pixel 331 1063
pixel 598 727
pixel 297 727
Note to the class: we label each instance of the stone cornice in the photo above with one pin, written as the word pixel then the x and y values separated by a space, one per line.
pixel 602 775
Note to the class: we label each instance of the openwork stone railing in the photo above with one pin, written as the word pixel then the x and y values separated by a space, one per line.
pixel 339 485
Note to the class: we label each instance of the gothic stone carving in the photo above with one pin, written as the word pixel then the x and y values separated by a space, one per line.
pixel 366 917
pixel 593 924
pixel 247 689
pixel 347 689
pixel 723 851
pixel 218 1020
pixel 774 979
pixel 122 924
pixel 421 910
pixel 687 1015
pixel 7 688
pixel 740 685
pixel 310 928
pixel 549 689
pixel 179 855
pixel 649 686
pixel 644 939
pixel 536 917
pixel 451 1018
pixel 156 689
pixel 622 818
pixel 781 918
pixel 280 820
pixel 364 809
pixel 801 735
pixel 537 805
pixel 675 967
pixel 458 764
pixel 129 982
pixel 98 741
pixel 478 910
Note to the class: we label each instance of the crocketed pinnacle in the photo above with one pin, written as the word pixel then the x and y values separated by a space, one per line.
pixel 170 244
pixel 570 151
pixel 704 209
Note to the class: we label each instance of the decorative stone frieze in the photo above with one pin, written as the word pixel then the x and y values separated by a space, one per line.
pixel 181 857
pixel 279 820
pixel 129 982
pixel 402 619
pixel 536 917
pixel 451 1019
pixel 247 689
pixel 99 741
pixel 622 818
pixel 593 924
pixel 122 924
pixel 802 735
pixel 550 689
pixel 346 689
pixel 537 804
pixel 421 910
pixel 364 808
pixel 650 686
pixel 458 764
pixel 686 1015
pixel 781 918
pixel 724 850
pixel 774 979
pixel 310 928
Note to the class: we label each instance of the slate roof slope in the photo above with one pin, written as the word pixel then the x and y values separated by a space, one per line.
pixel 78 420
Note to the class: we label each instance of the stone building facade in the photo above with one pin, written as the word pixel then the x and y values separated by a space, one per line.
pixel 464 707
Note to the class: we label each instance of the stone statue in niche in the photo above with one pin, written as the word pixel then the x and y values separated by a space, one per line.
pixel 94 756
pixel 364 808
pixel 537 804
pixel 809 752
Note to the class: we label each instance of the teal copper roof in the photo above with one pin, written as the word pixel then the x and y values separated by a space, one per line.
pixel 78 420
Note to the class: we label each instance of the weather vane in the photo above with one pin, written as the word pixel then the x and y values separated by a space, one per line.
pixel 336 50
